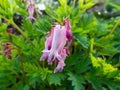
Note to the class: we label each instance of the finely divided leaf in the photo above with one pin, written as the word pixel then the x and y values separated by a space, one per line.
pixel 56 78
pixel 77 81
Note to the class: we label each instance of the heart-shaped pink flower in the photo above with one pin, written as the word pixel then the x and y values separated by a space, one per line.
pixel 57 45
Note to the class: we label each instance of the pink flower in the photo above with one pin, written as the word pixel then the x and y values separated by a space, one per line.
pixel 68 34
pixel 6 50
pixel 48 45
pixel 61 63
pixel 4 21
pixel 30 10
pixel 23 1
pixel 10 30
pixel 57 45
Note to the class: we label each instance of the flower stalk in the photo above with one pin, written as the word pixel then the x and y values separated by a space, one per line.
pixel 22 66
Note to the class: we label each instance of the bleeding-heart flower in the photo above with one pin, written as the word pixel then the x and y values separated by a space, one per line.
pixel 57 45
pixel 30 10
pixel 23 1
pixel 4 21
pixel 6 50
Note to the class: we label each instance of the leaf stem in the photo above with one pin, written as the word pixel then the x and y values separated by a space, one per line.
pixel 114 28
pixel 74 3
pixel 14 25
pixel 22 67
pixel 17 28
pixel 4 18
pixel 91 45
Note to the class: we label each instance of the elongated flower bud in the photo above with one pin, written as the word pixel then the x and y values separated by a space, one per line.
pixel 30 10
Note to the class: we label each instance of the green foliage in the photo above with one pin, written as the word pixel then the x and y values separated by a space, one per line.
pixel 56 78
pixel 103 68
pixel 8 75
pixel 99 83
pixel 39 25
pixel 104 73
pixel 34 71
pixel 94 60
pixel 77 81
pixel 82 40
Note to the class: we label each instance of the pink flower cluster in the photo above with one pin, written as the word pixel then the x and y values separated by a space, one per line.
pixel 57 45
pixel 30 10
pixel 6 50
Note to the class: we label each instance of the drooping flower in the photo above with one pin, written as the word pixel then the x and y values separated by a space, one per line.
pixel 4 21
pixel 6 50
pixel 68 35
pixel 48 45
pixel 10 30
pixel 30 10
pixel 57 45
pixel 23 1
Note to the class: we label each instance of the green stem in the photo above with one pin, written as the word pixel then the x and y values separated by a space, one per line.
pixel 14 25
pixel 22 67
pixel 117 65
pixel 22 64
pixel 4 18
pixel 74 3
pixel 91 45
pixel 23 34
pixel 114 28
